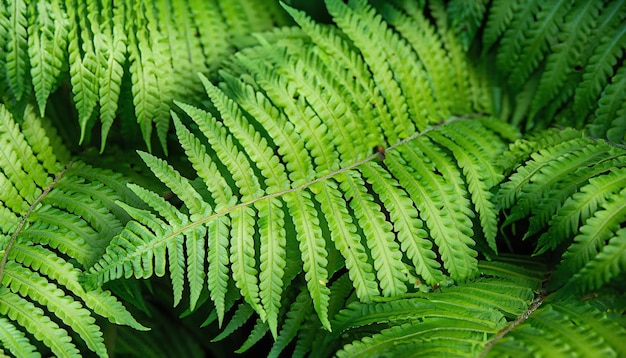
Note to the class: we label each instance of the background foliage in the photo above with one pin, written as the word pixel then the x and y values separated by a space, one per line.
pixel 376 179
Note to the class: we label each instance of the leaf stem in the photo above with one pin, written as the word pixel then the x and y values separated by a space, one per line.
pixel 32 207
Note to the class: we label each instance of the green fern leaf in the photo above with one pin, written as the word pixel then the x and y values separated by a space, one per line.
pixel 556 194
pixel 47 40
pixel 560 63
pixel 501 14
pixel 258 332
pixel 15 341
pixel 273 239
pixel 405 219
pixel 520 150
pixel 556 167
pixel 347 241
pixel 604 267
pixel 101 302
pixel 299 311
pixel 588 249
pixel 479 172
pixel 285 172
pixel 34 319
pixel 111 54
pixel 435 60
pixel 563 329
pixel 351 23
pixel 600 66
pixel 465 18
pixel 337 48
pixel 513 39
pixel 385 251
pixel 241 316
pixel 16 57
pixel 435 209
pixel 535 43
pixel 579 207
pixel 217 254
pixel 510 191
pixel 28 283
pixel 313 251
pixel 516 269
pixel 65 211
pixel 609 117
pixel 242 256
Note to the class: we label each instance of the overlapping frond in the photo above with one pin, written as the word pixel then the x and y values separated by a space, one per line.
pixel 289 161
pixel 161 45
pixel 560 58
pixel 571 195
pixel 455 321
pixel 57 220
pixel 563 328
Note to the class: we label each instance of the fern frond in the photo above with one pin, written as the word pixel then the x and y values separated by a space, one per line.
pixel 15 341
pixel 609 120
pixel 600 66
pixel 361 31
pixel 16 47
pixel 465 18
pixel 576 186
pixel 584 251
pixel 536 39
pixel 520 150
pixel 563 329
pixel 33 286
pixel 62 218
pixel 36 321
pixel 111 52
pixel 83 66
pixel 478 170
pixel 299 312
pixel 47 40
pixel 512 189
pixel 560 64
pixel 605 266
pixel 558 179
pixel 579 207
pixel 501 14
pixel 258 332
pixel 107 50
pixel 287 184
pixel 460 313
pixel 243 313
pixel 448 227
pixel 434 60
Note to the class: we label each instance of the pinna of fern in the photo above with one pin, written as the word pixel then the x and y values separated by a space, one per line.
pixel 503 313
pixel 562 62
pixel 323 98
pixel 57 218
pixel 570 192
pixel 146 53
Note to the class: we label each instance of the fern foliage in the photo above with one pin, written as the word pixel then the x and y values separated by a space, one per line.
pixel 148 50
pixel 405 211
pixel 57 218
pixel 561 57
pixel 503 313
pixel 349 186
pixel 569 193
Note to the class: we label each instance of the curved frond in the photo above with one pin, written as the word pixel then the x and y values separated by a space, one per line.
pixel 562 329
pixel 285 167
pixel 60 218
pixel 151 49
pixel 575 186
pixel 15 41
